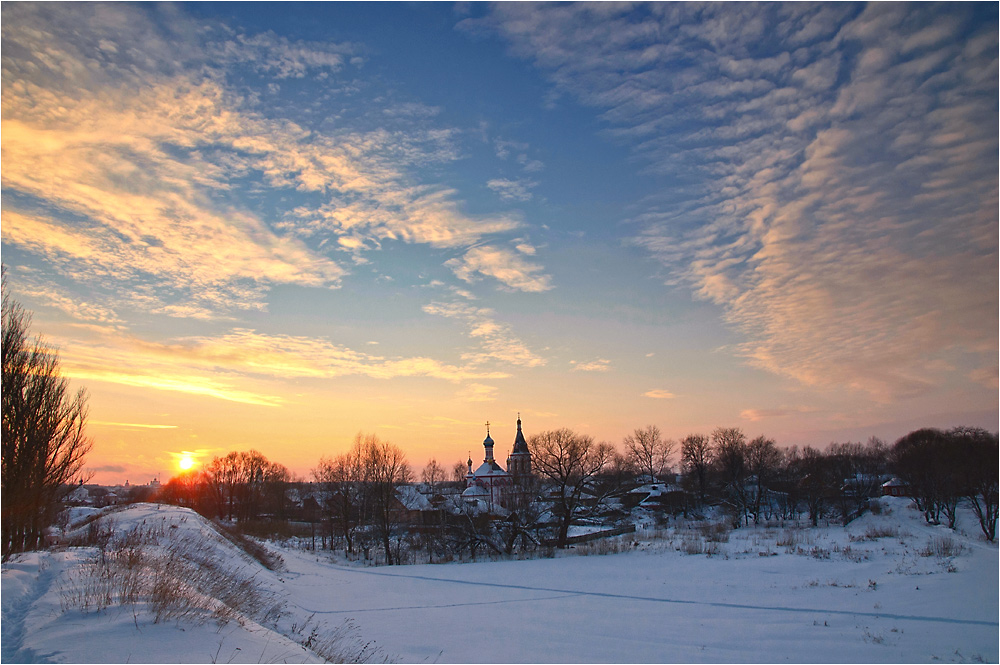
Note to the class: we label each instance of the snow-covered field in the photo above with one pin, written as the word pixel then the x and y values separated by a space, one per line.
pixel 888 588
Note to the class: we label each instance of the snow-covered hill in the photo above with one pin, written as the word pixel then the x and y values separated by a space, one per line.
pixel 888 588
pixel 163 586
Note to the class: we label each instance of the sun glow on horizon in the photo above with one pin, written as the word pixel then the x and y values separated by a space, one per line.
pixel 186 461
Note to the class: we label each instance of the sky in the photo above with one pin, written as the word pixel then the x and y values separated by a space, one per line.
pixel 276 225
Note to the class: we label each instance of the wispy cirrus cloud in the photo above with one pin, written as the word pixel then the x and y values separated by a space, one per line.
pixel 104 423
pixel 230 366
pixel 832 169
pixel 756 415
pixel 503 265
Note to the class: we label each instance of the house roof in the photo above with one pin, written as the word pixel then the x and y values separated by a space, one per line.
pixel 412 499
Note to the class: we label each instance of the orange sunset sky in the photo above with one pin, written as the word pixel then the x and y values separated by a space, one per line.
pixel 272 225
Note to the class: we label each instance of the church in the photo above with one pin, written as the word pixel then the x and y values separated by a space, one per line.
pixel 490 483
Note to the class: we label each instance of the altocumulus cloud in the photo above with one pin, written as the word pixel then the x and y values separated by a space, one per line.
pixel 832 168
pixel 134 163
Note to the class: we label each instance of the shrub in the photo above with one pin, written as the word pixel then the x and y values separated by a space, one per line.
pixel 942 547
pixel 693 545
pixel 717 532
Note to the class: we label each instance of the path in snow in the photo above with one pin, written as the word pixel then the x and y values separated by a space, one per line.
pixel 563 593
pixel 12 649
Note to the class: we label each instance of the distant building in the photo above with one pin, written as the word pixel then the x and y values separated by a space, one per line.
pixel 895 487
pixel 490 486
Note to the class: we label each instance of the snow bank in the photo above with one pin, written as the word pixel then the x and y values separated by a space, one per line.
pixel 63 606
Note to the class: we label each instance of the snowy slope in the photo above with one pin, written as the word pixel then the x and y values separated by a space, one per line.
pixel 866 593
pixel 40 625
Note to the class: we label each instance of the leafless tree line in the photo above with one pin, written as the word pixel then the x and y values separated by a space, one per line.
pixel 757 480
pixel 360 490
pixel 43 439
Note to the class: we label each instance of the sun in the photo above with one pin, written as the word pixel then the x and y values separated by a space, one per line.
pixel 186 462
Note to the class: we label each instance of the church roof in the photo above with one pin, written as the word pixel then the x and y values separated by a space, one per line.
pixel 520 445
pixel 490 468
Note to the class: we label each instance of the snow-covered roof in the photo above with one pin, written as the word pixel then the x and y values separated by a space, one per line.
pixel 490 469
pixel 80 494
pixel 475 491
pixel 412 499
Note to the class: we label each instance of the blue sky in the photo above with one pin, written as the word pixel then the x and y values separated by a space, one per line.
pixel 274 225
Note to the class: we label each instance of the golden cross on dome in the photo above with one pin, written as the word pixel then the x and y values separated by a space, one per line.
pixel 487 428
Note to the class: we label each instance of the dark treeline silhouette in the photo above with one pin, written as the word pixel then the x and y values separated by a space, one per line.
pixel 354 494
pixel 357 498
pixel 757 480
pixel 942 468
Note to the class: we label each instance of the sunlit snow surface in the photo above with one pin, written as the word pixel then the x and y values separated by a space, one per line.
pixel 875 599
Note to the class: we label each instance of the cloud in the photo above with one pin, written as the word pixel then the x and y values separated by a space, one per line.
pixel 282 58
pixel 496 341
pixel 137 165
pixel 104 423
pixel 501 264
pixel 107 468
pixel 190 384
pixel 512 190
pixel 755 415
pixel 394 211
pixel 478 392
pixel 658 393
pixel 832 173
pixel 598 365
pixel 230 365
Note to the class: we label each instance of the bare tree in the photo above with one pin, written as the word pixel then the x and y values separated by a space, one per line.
pixel 459 471
pixel 977 453
pixel 432 474
pixel 816 482
pixel 763 462
pixel 729 457
pixel 242 481
pixel 858 471
pixel 385 469
pixel 696 458
pixel 342 480
pixel 43 439
pixel 649 451
pixel 570 462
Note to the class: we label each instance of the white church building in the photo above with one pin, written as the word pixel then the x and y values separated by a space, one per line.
pixel 490 484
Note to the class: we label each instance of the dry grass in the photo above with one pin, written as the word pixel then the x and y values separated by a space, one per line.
pixel 175 577
pixel 251 547
pixel 875 532
pixel 942 547
pixel 341 644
